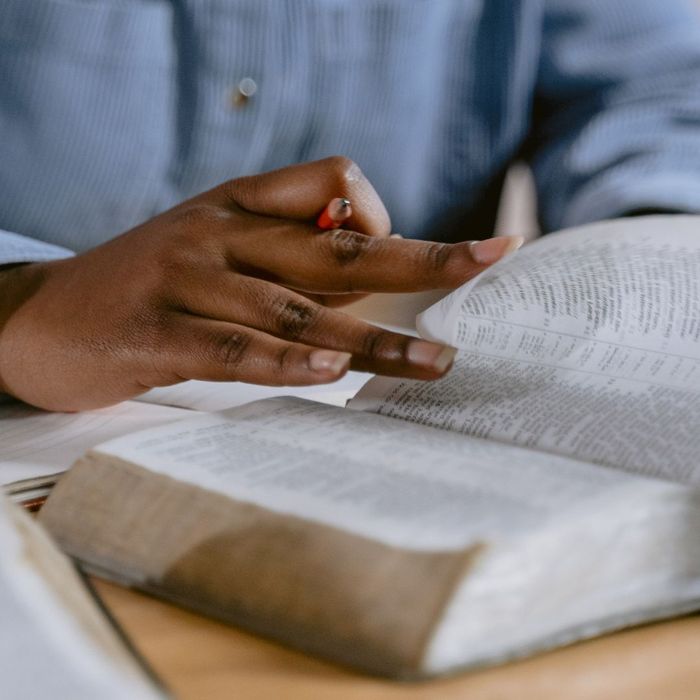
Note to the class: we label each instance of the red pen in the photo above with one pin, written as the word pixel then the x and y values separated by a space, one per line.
pixel 337 211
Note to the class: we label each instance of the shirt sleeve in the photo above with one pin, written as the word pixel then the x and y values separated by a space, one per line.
pixel 616 119
pixel 19 249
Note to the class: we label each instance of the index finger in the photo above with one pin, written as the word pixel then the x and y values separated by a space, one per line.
pixel 342 262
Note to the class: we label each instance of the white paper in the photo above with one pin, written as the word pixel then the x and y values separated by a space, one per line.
pixel 617 299
pixel 217 396
pixel 585 344
pixel 643 428
pixel 391 480
pixel 37 443
pixel 54 641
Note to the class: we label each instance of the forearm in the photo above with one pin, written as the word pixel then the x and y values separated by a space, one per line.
pixel 21 271
pixel 17 283
pixel 20 265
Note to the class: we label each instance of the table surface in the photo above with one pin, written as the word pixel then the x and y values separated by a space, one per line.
pixel 200 659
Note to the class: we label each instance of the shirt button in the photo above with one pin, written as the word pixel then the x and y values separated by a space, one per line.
pixel 242 93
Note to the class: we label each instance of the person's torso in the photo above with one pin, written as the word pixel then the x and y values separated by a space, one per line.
pixel 113 110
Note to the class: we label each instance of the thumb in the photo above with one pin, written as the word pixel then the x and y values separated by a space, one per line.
pixel 302 191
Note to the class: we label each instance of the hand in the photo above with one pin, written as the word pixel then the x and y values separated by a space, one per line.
pixel 221 288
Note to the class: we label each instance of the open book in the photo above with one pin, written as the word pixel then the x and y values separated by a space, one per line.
pixel 37 446
pixel 542 492
pixel 56 642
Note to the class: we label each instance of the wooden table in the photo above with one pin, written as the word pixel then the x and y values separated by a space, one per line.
pixel 199 659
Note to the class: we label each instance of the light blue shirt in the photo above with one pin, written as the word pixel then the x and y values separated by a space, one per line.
pixel 113 110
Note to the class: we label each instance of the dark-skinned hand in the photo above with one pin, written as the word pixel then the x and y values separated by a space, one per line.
pixel 232 285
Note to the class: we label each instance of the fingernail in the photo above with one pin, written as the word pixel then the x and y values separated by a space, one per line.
pixel 493 249
pixel 395 235
pixel 329 361
pixel 430 355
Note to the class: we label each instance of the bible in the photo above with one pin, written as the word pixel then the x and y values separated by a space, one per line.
pixel 544 491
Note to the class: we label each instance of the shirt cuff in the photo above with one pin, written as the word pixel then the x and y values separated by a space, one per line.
pixel 20 249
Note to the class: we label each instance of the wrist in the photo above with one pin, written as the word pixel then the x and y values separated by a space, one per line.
pixel 18 283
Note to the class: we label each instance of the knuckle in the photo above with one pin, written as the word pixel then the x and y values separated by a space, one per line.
pixel 347 246
pixel 241 191
pixel 229 349
pixel 436 256
pixel 295 317
pixel 230 189
pixel 379 345
pixel 345 170
pixel 285 360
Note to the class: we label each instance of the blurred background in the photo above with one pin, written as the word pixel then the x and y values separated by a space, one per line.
pixel 518 213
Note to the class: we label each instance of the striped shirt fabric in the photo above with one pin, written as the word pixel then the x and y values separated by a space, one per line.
pixel 113 110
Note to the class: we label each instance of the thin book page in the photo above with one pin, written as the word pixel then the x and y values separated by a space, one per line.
pixel 38 443
pixel 388 480
pixel 217 396
pixel 585 344
pixel 618 299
